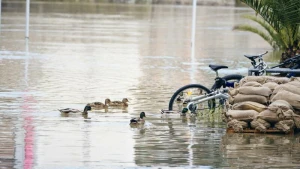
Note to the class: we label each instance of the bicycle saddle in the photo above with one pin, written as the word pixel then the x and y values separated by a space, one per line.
pixel 217 67
pixel 251 57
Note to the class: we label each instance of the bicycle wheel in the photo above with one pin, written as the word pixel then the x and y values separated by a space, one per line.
pixel 230 80
pixel 181 97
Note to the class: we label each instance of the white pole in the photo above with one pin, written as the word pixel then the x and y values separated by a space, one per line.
pixel 193 40
pixel 27 18
pixel 194 27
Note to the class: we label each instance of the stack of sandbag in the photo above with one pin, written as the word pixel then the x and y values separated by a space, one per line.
pixel 263 102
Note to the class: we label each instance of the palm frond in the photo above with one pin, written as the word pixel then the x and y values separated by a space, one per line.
pixel 274 35
pixel 262 34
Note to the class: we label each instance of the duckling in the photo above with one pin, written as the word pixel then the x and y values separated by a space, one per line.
pixel 140 120
pixel 123 103
pixel 70 110
pixel 99 105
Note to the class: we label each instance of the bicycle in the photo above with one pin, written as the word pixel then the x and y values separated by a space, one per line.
pixel 261 66
pixel 196 97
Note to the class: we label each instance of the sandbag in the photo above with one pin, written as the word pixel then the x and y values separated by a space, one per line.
pixel 260 124
pixel 291 98
pixel 288 87
pixel 264 79
pixel 252 83
pixel 249 90
pixel 285 125
pixel 259 79
pixel 294 83
pixel 233 92
pixel 268 116
pixel 280 104
pixel 278 80
pixel 296 79
pixel 296 119
pixel 249 105
pixel 237 125
pixel 254 98
pixel 242 115
pixel 270 85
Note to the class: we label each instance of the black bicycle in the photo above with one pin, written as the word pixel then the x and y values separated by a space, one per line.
pixel 260 66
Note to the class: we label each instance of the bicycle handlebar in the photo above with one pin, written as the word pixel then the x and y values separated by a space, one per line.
pixel 263 53
pixel 295 58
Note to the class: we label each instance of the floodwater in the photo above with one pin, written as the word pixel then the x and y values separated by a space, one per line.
pixel 81 53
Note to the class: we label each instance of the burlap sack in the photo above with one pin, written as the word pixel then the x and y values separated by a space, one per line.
pixel 259 79
pixel 237 125
pixel 296 119
pixel 294 83
pixel 249 90
pixel 280 105
pixel 270 85
pixel 288 87
pixel 254 98
pixel 233 92
pixel 278 80
pixel 285 125
pixel 268 116
pixel 253 84
pixel 295 79
pixel 291 98
pixel 260 124
pixel 241 115
pixel 248 105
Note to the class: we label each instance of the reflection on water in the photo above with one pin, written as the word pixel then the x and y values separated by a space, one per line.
pixel 82 53
pixel 266 151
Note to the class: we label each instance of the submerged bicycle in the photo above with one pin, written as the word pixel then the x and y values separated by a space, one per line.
pixel 196 97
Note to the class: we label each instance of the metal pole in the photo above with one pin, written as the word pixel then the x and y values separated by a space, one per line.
pixel 193 28
pixel 194 68
pixel 27 18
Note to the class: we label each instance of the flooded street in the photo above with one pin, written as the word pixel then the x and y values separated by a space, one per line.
pixel 78 53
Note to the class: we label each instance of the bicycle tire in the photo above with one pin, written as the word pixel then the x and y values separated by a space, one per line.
pixel 229 80
pixel 181 93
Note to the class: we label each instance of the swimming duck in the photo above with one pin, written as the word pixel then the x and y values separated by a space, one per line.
pixel 70 110
pixel 140 120
pixel 99 105
pixel 123 103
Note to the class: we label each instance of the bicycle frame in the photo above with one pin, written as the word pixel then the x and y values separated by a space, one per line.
pixel 218 94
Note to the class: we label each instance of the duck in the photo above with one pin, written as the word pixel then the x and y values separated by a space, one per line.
pixel 100 105
pixel 184 111
pixel 140 120
pixel 71 110
pixel 123 103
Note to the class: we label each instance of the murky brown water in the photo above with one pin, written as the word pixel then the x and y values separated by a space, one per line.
pixel 80 53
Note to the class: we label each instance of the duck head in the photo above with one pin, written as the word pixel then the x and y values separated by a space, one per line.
pixel 142 115
pixel 87 108
pixel 184 111
pixel 125 100
pixel 107 101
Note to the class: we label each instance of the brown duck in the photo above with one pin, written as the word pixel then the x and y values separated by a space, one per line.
pixel 99 105
pixel 123 103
